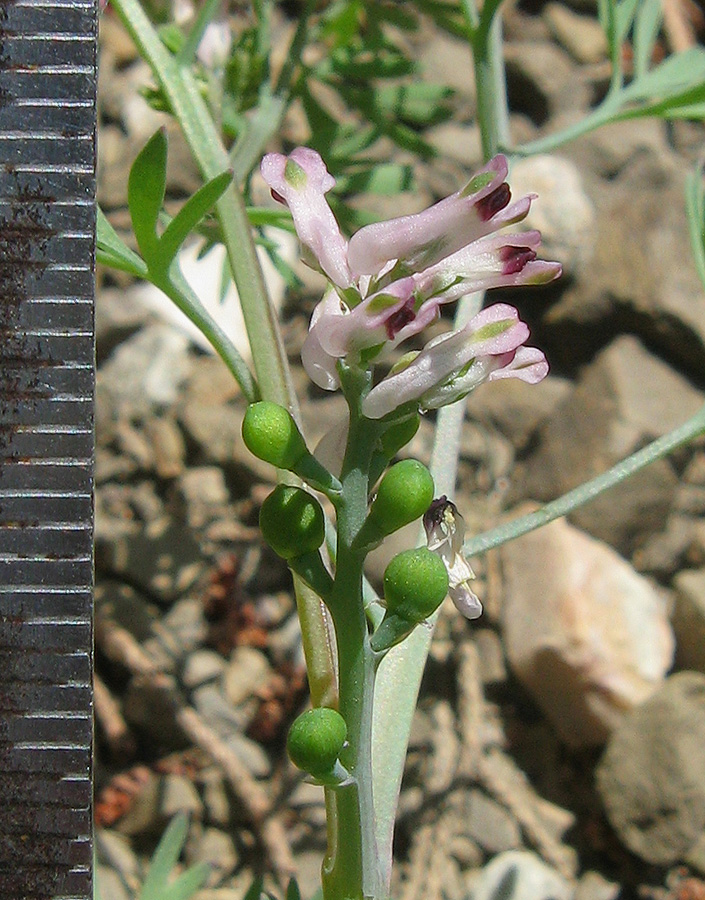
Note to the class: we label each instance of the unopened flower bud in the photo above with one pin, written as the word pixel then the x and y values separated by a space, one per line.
pixel 415 583
pixel 315 741
pixel 292 522
pixel 271 434
pixel 414 587
pixel 403 495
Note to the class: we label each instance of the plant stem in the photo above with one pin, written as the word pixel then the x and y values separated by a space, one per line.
pixel 351 868
pixel 490 85
pixel 189 108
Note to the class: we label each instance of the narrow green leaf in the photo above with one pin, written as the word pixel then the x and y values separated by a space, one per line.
pixel 386 179
pixel 254 892
pixel 145 192
pixel 189 216
pixel 186 885
pixel 417 104
pixel 675 74
pixel 685 105
pixel 112 251
pixel 292 890
pixel 646 29
pixel 165 858
pixel 695 208
pixel 623 18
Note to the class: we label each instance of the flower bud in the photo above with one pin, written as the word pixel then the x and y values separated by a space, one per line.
pixel 271 434
pixel 292 522
pixel 415 584
pixel 315 741
pixel 404 494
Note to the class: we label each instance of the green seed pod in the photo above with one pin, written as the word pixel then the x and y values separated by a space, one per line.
pixel 271 434
pixel 291 521
pixel 415 583
pixel 404 494
pixel 316 739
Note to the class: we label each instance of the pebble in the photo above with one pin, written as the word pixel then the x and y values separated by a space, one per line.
pixel 586 635
pixel 490 824
pixel 178 794
pixel 689 619
pixel 167 444
pixel 652 775
pixel 563 211
pixel 218 850
pixel 201 667
pixel 145 372
pixel 519 875
pixel 625 398
pixel 247 671
pixel 582 36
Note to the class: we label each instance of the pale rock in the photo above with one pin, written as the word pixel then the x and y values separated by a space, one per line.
pixel 201 667
pixel 519 875
pixel 490 824
pixel 179 795
pixel 145 371
pixel 217 849
pixel 625 398
pixel 594 886
pixel 563 212
pixel 689 620
pixel 652 775
pixel 248 670
pixel 584 632
pixel 582 36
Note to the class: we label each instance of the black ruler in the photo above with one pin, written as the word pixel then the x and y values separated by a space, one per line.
pixel 47 215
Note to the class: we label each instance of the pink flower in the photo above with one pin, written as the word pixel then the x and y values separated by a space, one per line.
pixel 389 282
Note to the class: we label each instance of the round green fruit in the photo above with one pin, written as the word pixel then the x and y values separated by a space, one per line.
pixel 292 521
pixel 415 583
pixel 404 494
pixel 316 739
pixel 271 434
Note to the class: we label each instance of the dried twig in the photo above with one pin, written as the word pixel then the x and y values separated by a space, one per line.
pixel 115 729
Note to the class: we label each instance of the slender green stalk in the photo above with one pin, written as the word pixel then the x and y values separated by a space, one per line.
pixel 351 868
pixel 585 492
pixel 188 106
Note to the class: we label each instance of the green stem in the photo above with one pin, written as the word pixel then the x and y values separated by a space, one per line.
pixel 585 492
pixel 189 108
pixel 490 82
pixel 351 869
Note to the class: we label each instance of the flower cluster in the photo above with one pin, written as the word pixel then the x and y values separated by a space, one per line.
pixel 390 280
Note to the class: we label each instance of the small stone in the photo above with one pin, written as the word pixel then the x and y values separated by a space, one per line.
pixel 251 754
pixel 542 82
pixel 145 372
pixel 178 794
pixel 563 212
pixel 201 667
pixel 585 633
pixel 142 817
pixel 652 776
pixel 582 36
pixel 519 875
pixel 625 398
pixel 117 318
pixel 689 620
pixel 215 797
pixel 205 493
pixel 110 884
pixel 115 850
pixel 594 886
pixel 163 559
pixel 247 671
pixel 518 409
pixel 490 824
pixel 493 668
pixel 168 447
pixel 218 850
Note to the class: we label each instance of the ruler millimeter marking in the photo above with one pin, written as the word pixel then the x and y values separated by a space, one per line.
pixel 47 220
